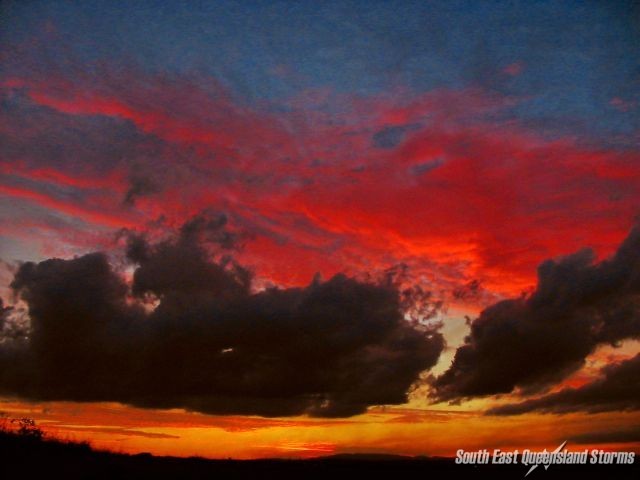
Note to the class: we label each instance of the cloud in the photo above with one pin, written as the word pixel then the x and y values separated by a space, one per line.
pixel 4 314
pixel 195 144
pixel 391 136
pixel 531 342
pixel 116 431
pixel 13 324
pixel 210 343
pixel 425 167
pixel 627 435
pixel 139 185
pixel 618 390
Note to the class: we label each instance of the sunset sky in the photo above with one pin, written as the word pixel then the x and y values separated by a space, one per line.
pixel 259 228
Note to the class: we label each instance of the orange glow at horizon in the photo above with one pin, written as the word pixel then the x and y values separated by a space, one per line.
pixel 397 430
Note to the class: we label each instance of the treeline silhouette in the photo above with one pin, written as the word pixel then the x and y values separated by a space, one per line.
pixel 27 452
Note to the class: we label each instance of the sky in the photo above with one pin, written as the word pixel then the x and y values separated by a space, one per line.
pixel 261 228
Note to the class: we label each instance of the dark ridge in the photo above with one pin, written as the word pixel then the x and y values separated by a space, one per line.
pixel 29 455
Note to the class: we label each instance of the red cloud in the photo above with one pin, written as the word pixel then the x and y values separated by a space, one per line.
pixel 457 196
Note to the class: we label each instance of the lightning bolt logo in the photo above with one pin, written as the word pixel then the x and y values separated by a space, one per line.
pixel 533 467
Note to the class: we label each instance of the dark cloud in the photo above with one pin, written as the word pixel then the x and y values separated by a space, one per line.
pixel 530 342
pixel 209 226
pixel 39 136
pixel 627 435
pixel 425 167
pixel 469 290
pixel 4 314
pixel 139 186
pixel 617 390
pixel 391 137
pixel 211 344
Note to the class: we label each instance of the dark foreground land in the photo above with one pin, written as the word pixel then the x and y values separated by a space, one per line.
pixel 29 457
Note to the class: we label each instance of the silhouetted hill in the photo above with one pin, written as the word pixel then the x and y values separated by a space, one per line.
pixel 27 457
